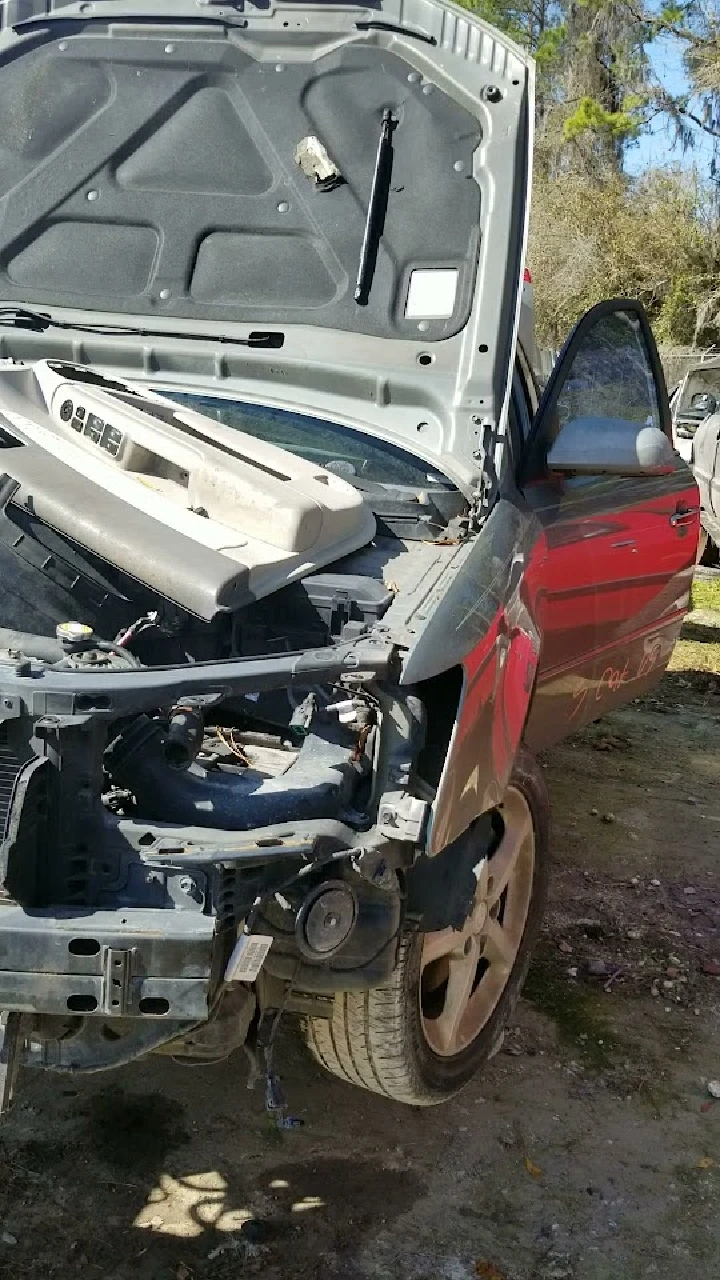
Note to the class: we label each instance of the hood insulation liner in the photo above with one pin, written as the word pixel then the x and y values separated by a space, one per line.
pixel 160 179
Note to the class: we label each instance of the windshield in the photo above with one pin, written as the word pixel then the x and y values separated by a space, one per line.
pixel 336 448
pixel 701 394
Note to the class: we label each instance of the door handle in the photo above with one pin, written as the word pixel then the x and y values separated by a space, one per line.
pixel 681 518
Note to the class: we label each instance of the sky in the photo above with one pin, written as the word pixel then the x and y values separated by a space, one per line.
pixel 658 145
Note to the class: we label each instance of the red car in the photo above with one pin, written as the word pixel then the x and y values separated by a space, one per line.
pixel 297 572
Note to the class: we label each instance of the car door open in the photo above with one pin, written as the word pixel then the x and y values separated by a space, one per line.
pixel 620 512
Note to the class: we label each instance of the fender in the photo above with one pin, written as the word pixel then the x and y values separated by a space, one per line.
pixel 486 623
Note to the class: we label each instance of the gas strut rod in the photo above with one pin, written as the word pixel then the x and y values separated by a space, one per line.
pixel 377 206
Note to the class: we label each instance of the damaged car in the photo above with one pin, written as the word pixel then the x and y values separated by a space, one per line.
pixel 299 574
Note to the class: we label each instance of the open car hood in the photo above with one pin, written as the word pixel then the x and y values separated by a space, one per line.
pixel 150 177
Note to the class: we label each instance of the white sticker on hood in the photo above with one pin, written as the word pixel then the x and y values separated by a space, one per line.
pixel 432 294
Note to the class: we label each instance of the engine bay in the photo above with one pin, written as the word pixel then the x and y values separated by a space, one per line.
pixel 188 766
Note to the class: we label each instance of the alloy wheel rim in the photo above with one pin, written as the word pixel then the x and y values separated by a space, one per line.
pixel 463 972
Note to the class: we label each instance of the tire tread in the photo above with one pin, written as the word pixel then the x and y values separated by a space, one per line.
pixel 368 1040
pixel 367 1030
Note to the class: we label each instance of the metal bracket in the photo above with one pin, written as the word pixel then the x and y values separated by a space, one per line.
pixel 117 969
pixel 12 1029
pixel 402 817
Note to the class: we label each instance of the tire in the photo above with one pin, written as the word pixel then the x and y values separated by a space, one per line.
pixel 377 1039
pixel 708 552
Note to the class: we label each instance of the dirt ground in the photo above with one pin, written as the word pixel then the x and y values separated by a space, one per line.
pixel 590 1150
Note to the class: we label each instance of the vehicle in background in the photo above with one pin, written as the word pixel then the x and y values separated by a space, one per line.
pixel 696 398
pixel 695 404
pixel 706 467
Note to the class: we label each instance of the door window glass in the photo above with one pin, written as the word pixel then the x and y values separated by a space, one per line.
pixel 610 376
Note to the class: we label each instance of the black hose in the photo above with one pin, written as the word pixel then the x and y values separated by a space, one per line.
pixel 184 736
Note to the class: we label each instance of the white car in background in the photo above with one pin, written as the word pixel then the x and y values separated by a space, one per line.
pixel 696 398
pixel 695 405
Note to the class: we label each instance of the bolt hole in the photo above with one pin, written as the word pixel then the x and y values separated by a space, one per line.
pixel 82 1004
pixel 425 358
pixel 516 82
pixel 155 1005
pixel 83 946
pixel 483 347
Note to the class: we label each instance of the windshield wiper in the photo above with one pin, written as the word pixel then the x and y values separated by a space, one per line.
pixel 41 321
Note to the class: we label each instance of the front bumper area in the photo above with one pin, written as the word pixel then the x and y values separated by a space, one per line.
pixel 116 964
pixel 90 989
pixel 159 962
pixel 117 926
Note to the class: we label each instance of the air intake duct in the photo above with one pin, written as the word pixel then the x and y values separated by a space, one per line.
pixel 319 784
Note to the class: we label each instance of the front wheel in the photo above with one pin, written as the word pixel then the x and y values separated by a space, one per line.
pixel 438 1020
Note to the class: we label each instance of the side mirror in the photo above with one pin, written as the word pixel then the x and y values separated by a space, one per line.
pixel 611 446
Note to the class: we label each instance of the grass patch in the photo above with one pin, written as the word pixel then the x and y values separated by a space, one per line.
pixel 574 1010
pixel 706 593
pixel 698 649
pixel 696 655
